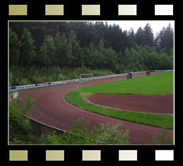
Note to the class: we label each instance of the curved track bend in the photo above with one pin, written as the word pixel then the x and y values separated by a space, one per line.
pixel 53 109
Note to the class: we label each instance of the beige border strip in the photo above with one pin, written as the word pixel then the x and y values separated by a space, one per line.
pixel 91 155
pixel 54 10
pixel 127 9
pixel 127 155
pixel 90 10
pixel 54 155
pixel 18 155
pixel 17 10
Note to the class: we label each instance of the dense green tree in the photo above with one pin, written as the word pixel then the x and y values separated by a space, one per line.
pixel 140 36
pixel 47 53
pixel 14 48
pixel 51 51
pixel 43 57
pixel 95 45
pixel 58 45
pixel 131 38
pixel 166 61
pixel 154 61
pixel 144 53
pixel 116 38
pixel 28 53
pixel 65 55
pixel 77 51
pixel 101 58
pixel 111 58
pixel 164 39
pixel 148 36
pixel 126 57
pixel 90 56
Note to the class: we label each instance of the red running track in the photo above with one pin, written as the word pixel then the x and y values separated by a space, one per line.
pixel 54 110
pixel 139 103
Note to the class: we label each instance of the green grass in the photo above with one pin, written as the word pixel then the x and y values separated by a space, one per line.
pixel 153 85
pixel 156 84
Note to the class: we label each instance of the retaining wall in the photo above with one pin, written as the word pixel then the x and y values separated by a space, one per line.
pixel 41 128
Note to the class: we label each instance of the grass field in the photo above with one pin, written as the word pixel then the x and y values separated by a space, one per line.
pixel 156 84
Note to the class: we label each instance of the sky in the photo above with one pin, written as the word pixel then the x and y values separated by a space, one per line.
pixel 156 25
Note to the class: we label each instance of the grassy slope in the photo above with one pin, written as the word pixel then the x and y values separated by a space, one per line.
pixel 154 84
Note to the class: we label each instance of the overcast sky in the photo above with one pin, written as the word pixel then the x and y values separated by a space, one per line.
pixel 156 25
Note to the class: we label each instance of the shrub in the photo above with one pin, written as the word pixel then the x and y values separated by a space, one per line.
pixel 17 141
pixel 44 78
pixel 164 138
pixel 78 135
pixel 49 79
pixel 24 81
pixel 111 134
pixel 108 133
pixel 54 77
pixel 101 73
pixel 18 121
pixel 37 79
pixel 60 77
pixel 10 78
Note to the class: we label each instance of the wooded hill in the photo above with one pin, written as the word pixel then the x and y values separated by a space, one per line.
pixel 88 45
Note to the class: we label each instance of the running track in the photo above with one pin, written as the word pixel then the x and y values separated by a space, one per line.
pixel 140 103
pixel 54 110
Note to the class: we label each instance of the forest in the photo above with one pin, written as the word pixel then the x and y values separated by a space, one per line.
pixel 51 51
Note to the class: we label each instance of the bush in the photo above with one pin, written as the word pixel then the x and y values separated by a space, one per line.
pixel 108 133
pixel 10 78
pixel 111 134
pixel 60 77
pixel 18 121
pixel 24 81
pixel 49 79
pixel 78 135
pixel 164 138
pixel 54 77
pixel 37 79
pixel 100 73
pixel 25 76
pixel 17 141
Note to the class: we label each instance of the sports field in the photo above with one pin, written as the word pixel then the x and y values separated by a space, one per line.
pixel 156 84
